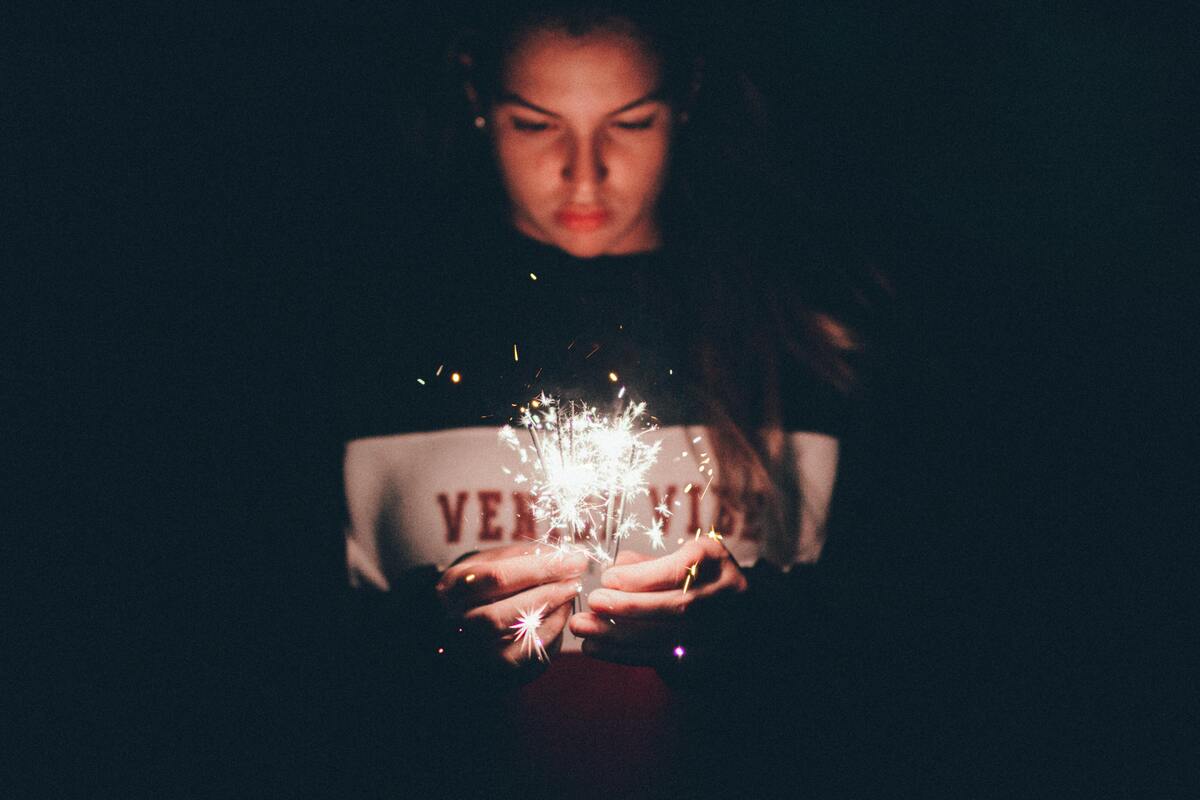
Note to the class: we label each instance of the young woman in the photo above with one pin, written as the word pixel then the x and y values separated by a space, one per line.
pixel 622 233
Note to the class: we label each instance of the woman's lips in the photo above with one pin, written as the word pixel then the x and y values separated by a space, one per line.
pixel 582 219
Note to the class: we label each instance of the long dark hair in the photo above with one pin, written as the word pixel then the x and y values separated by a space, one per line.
pixel 768 293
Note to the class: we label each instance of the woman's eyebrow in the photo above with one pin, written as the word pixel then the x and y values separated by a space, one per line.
pixel 512 97
pixel 652 97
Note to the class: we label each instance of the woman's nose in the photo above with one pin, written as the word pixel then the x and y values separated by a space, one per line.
pixel 584 166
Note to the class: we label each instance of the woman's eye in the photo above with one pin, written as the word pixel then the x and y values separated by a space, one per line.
pixel 529 125
pixel 637 124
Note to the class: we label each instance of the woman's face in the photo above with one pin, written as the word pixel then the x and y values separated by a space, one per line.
pixel 582 138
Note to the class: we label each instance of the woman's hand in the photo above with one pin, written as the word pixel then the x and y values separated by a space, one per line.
pixel 485 594
pixel 648 607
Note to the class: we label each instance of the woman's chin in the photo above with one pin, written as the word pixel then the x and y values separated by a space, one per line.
pixel 583 247
pixel 602 241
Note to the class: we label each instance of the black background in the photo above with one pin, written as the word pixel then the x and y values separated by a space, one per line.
pixel 180 181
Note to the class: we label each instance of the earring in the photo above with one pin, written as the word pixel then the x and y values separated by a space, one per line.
pixel 480 122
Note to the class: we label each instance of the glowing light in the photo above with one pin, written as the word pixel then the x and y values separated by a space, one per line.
pixel 612 376
pixel 587 468
pixel 470 578
pixel 526 626
pixel 655 534
pixel 441 650
pixel 455 377
pixel 691 576
pixel 515 357
pixel 679 651
pixel 532 277
pixel 421 381
pixel 439 370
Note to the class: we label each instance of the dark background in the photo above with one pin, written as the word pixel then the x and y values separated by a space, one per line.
pixel 180 184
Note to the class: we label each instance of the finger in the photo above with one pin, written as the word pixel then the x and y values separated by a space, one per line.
pixel 661 605
pixel 632 557
pixel 475 583
pixel 555 622
pixel 505 551
pixel 497 619
pixel 589 625
pixel 664 572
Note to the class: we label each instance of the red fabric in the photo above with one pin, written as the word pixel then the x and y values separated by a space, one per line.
pixel 603 729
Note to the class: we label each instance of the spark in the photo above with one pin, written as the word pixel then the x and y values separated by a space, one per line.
pixel 438 374
pixel 712 534
pixel 612 376
pixel 421 381
pixel 696 440
pixel 532 277
pixel 515 357
pixel 621 393
pixel 691 576
pixel 598 552
pixel 687 488
pixel 526 626
pixel 655 534
pixel 679 651
pixel 587 466
pixel 455 377
pixel 662 510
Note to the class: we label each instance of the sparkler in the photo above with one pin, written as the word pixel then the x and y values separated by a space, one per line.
pixel 526 626
pixel 586 466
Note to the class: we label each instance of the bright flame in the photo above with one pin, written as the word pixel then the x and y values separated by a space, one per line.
pixel 526 626
pixel 587 467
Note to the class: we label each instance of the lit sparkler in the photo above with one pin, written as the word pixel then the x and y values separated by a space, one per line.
pixel 586 466
pixel 526 626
